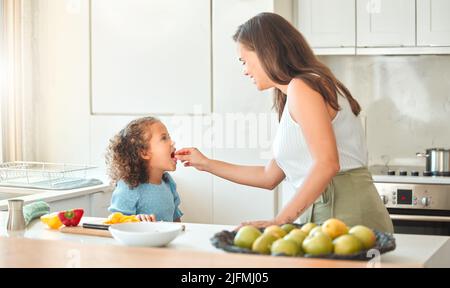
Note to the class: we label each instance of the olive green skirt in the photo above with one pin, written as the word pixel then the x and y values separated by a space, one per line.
pixel 351 197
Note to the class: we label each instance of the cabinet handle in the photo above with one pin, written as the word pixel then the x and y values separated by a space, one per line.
pixel 100 192
pixel 420 218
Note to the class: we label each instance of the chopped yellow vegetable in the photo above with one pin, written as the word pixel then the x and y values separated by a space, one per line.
pixel 52 220
pixel 118 217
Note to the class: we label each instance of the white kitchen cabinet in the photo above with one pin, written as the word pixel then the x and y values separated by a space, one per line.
pixel 71 203
pixel 328 24
pixel 99 203
pixel 385 23
pixel 234 203
pixel 433 23
pixel 94 204
pixel 150 56
pixel 234 92
pixel 235 99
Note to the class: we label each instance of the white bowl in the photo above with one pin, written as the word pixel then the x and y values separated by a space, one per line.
pixel 149 234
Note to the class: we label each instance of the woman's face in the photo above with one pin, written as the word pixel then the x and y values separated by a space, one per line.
pixel 253 68
pixel 161 151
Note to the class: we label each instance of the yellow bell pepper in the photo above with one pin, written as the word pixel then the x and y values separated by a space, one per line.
pixel 131 218
pixel 118 217
pixel 52 220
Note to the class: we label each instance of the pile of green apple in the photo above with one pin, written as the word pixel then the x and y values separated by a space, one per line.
pixel 333 236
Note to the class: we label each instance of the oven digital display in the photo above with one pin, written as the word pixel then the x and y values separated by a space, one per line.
pixel 404 196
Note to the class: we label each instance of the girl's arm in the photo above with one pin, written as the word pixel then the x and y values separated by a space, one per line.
pixel 267 177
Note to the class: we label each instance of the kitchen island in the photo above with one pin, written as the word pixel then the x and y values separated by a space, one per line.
pixel 39 246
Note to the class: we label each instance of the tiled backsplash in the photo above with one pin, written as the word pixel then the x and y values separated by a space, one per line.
pixel 405 99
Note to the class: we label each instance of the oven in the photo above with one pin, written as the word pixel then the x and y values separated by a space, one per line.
pixel 416 204
pixel 409 221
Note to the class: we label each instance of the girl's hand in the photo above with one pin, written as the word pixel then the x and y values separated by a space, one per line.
pixel 192 157
pixel 146 218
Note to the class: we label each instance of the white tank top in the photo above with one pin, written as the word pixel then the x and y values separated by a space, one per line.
pixel 291 150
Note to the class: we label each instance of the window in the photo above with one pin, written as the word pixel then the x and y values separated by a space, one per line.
pixel 2 76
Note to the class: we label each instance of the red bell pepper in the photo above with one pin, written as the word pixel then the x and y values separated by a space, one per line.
pixel 71 217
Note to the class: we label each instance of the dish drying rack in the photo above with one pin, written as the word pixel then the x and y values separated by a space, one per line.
pixel 45 175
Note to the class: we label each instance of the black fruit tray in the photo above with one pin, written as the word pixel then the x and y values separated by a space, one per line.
pixel 385 243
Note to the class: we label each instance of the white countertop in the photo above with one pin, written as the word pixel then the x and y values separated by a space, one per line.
pixel 31 195
pixel 195 237
pixel 421 250
pixel 412 179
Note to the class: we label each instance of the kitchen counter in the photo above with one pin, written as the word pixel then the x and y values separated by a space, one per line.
pixel 190 249
pixel 23 253
pixel 31 195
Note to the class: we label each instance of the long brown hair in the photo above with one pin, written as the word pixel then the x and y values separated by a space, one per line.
pixel 285 54
pixel 123 156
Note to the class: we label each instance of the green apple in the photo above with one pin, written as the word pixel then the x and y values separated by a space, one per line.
pixel 365 235
pixel 275 230
pixel 296 235
pixel 288 227
pixel 319 244
pixel 263 243
pixel 246 236
pixel 347 244
pixel 287 247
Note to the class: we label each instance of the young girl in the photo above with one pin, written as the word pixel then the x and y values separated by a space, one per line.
pixel 139 157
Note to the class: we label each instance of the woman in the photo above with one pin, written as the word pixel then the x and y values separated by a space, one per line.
pixel 319 146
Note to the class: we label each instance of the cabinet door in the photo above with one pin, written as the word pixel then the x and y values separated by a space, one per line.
pixel 71 203
pixel 100 201
pixel 385 23
pixel 150 56
pixel 234 95
pixel 327 23
pixel 433 23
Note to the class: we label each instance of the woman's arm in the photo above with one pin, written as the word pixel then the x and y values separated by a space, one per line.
pixel 309 110
pixel 267 177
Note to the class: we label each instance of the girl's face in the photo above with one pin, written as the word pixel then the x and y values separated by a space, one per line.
pixel 253 68
pixel 161 151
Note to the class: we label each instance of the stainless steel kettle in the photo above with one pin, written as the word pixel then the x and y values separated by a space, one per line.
pixel 437 161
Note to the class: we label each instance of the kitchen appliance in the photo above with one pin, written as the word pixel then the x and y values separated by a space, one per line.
pixel 417 201
pixel 438 161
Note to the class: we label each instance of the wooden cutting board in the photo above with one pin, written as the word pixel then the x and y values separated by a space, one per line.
pixel 85 231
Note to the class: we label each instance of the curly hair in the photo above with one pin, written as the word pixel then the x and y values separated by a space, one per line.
pixel 123 156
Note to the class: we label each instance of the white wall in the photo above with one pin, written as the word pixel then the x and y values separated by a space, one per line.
pixel 63 114
pixel 405 105
pixel 406 100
